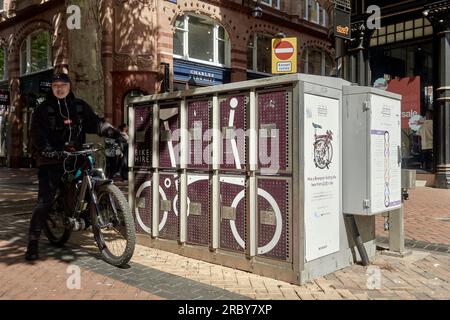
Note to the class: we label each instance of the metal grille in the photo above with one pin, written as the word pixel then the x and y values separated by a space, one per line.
pixel 273 212
pixel 143 136
pixel 198 209
pixel 198 124
pixel 143 202
pixel 233 121
pixel 345 4
pixel 169 136
pixel 233 198
pixel 273 115
pixel 169 206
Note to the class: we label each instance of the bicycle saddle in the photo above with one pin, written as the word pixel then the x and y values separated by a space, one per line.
pixel 317 126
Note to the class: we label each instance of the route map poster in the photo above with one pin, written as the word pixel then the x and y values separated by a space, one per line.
pixel 385 165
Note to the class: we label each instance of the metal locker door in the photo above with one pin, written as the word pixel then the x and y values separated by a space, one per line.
pixel 143 136
pixel 233 197
pixel 143 202
pixel 199 122
pixel 169 206
pixel 199 209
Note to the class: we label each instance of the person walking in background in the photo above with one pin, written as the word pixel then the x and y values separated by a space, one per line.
pixel 113 154
pixel 123 167
pixel 426 134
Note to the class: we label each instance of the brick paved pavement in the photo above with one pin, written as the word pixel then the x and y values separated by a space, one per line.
pixel 427 216
pixel 155 274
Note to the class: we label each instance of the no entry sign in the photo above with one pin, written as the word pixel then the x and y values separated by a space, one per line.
pixel 284 55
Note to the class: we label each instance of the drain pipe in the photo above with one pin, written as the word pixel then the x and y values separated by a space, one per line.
pixel 358 240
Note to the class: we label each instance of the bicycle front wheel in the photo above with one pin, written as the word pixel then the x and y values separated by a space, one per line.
pixel 113 226
pixel 55 227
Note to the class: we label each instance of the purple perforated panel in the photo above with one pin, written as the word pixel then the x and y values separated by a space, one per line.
pixel 199 209
pixel 143 136
pixel 198 124
pixel 232 198
pixel 273 218
pixel 233 116
pixel 143 202
pixel 169 206
pixel 169 136
pixel 273 114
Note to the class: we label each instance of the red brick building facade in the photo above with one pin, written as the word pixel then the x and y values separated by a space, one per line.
pixel 204 42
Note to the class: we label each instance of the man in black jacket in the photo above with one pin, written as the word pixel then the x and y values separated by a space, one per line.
pixel 59 123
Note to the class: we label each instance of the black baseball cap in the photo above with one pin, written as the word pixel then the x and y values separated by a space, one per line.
pixel 61 77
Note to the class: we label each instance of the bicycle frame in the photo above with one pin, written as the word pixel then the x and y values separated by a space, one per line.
pixel 91 177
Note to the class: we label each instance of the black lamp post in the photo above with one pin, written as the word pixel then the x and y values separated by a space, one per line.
pixel 438 13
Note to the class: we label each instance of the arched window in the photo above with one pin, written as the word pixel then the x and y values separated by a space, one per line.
pixel 200 39
pixel 315 13
pixel 259 53
pixel 316 61
pixel 3 63
pixel 35 53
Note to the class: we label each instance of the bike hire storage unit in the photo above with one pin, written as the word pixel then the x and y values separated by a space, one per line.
pixel 268 198
pixel 372 161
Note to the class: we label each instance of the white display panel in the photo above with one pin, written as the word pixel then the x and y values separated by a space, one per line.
pixel 385 164
pixel 321 176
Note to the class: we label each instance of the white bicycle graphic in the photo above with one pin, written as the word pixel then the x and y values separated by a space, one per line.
pixel 173 181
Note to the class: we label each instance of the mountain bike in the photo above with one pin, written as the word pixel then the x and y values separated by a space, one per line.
pixel 85 198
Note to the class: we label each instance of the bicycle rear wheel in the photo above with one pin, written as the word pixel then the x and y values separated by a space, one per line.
pixel 113 226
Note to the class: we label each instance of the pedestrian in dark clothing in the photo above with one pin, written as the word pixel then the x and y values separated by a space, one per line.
pixel 59 123
pixel 124 161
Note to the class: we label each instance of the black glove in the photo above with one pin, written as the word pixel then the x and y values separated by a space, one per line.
pixel 107 130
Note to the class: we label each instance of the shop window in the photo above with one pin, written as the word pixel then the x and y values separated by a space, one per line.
pixel 315 13
pixel 35 53
pixel 259 53
pixel 2 6
pixel 317 62
pixel 3 64
pixel 201 39
pixel 407 30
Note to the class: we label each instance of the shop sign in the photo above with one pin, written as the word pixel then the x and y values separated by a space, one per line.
pixel 342 24
pixel 4 97
pixel 202 76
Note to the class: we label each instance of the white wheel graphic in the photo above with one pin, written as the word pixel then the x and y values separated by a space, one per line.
pixel 279 223
pixel 163 221
pixel 233 103
pixel 146 184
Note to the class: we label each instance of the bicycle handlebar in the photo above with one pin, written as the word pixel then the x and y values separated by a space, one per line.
pixel 79 153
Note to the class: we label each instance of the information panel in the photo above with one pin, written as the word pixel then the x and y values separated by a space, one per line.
pixel 385 160
pixel 322 176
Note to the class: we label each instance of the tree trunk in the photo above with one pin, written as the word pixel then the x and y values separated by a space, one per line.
pixel 85 63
